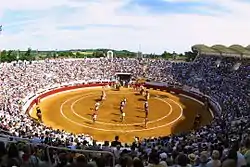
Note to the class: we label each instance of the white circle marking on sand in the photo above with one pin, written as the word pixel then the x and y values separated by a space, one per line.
pixel 117 124
pixel 118 130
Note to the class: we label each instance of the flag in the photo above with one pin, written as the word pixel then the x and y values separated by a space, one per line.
pixel 1 28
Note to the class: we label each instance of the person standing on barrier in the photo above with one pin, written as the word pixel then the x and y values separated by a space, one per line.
pixel 39 114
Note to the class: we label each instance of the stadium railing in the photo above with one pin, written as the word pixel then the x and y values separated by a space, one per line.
pixel 29 101
pixel 88 153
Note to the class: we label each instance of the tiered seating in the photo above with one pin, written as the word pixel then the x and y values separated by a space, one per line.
pixel 212 75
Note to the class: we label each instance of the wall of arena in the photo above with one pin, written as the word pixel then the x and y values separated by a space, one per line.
pixel 213 105
pixel 33 100
pixel 36 98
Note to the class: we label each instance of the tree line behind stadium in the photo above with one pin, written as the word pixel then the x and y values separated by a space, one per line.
pixel 30 55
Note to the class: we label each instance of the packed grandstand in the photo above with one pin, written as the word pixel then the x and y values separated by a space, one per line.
pixel 219 72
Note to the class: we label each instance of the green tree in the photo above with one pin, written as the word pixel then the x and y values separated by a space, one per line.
pixel 7 56
pixel 78 55
pixel 166 55
pixel 26 56
pixel 63 54
pixel 3 56
pixel 70 54
pixel 98 54
pixel 11 56
pixel 190 56
pixel 174 55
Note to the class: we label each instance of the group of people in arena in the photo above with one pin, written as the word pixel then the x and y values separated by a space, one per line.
pixel 123 103
pixel 97 105
pixel 225 142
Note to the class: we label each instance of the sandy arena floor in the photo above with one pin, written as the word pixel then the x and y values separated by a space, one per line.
pixel 168 113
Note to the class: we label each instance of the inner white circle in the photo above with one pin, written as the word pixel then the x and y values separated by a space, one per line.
pixel 118 130
pixel 117 124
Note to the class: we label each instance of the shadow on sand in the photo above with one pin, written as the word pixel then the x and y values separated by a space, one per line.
pixel 141 99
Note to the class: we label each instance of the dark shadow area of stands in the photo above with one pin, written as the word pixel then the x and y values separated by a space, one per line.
pixel 186 123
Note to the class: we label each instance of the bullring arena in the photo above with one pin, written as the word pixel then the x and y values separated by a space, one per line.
pixel 71 109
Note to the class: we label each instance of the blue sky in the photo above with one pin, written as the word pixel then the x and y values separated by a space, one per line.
pixel 156 25
pixel 179 7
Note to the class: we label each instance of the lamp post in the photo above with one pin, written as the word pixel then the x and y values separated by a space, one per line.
pixel 174 55
pixel 1 29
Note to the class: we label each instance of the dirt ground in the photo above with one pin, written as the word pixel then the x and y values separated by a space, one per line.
pixel 168 113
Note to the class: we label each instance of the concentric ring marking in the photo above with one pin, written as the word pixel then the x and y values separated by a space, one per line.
pixel 116 130
pixel 114 124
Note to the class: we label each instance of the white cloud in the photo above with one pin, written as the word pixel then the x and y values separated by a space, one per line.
pixel 156 33
pixel 30 4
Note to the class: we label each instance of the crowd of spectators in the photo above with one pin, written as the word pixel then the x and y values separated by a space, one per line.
pixel 222 143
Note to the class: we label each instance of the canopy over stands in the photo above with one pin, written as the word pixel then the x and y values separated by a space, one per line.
pixel 221 50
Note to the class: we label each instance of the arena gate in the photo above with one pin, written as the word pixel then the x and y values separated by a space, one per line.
pixel 123 78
